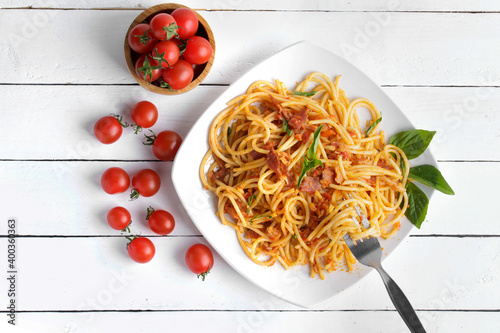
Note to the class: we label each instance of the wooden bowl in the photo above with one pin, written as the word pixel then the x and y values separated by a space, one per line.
pixel 201 71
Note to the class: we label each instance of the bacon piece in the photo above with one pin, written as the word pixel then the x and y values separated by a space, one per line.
pixel 298 120
pixel 383 164
pixel 310 185
pixel 326 177
pixel 285 113
pixel 276 164
pixel 273 232
pixel 255 155
pixel 328 132
pixel 229 209
pixel 222 172
pixel 252 234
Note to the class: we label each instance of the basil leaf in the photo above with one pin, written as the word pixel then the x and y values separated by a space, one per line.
pixel 311 152
pixel 372 126
pixel 418 203
pixel 413 143
pixel 310 161
pixel 430 176
pixel 286 129
pixel 304 93
pixel 228 133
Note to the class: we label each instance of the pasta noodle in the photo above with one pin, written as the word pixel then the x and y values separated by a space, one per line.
pixel 263 142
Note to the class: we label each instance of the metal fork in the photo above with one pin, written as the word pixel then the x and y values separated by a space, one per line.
pixel 368 252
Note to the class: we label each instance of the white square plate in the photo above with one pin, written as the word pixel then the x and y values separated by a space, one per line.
pixel 290 65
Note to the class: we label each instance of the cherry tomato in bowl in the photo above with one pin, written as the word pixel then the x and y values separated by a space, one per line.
pixel 179 76
pixel 200 260
pixel 187 21
pixel 115 180
pixel 147 68
pixel 166 53
pixel 140 38
pixel 198 50
pixel 163 26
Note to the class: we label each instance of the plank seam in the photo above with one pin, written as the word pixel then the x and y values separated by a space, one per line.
pixel 267 10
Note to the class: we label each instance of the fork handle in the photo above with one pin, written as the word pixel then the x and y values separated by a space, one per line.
pixel 401 303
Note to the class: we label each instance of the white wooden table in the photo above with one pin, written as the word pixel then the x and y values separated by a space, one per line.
pixel 63 68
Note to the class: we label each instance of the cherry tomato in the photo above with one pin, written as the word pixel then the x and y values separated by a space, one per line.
pixel 119 218
pixel 179 76
pixel 140 38
pixel 198 50
pixel 115 180
pixel 165 144
pixel 147 68
pixel 145 182
pixel 163 26
pixel 160 221
pixel 166 53
pixel 187 21
pixel 200 260
pixel 109 129
pixel 141 249
pixel 144 114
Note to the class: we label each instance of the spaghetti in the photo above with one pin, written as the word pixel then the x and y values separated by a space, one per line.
pixel 291 168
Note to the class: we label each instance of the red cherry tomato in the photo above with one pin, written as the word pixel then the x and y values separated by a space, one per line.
pixel 160 221
pixel 179 76
pixel 198 50
pixel 187 21
pixel 145 182
pixel 147 68
pixel 166 53
pixel 141 250
pixel 140 38
pixel 166 144
pixel 200 260
pixel 144 114
pixel 119 218
pixel 109 129
pixel 163 26
pixel 115 180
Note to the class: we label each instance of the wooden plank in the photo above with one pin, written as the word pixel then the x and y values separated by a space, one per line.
pixel 254 321
pixel 63 118
pixel 67 274
pixel 379 5
pixel 372 41
pixel 68 200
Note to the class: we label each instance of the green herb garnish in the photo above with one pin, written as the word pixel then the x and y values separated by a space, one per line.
pixel 372 126
pixel 430 176
pixel 413 143
pixel 259 216
pixel 250 201
pixel 286 128
pixel 304 93
pixel 311 161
